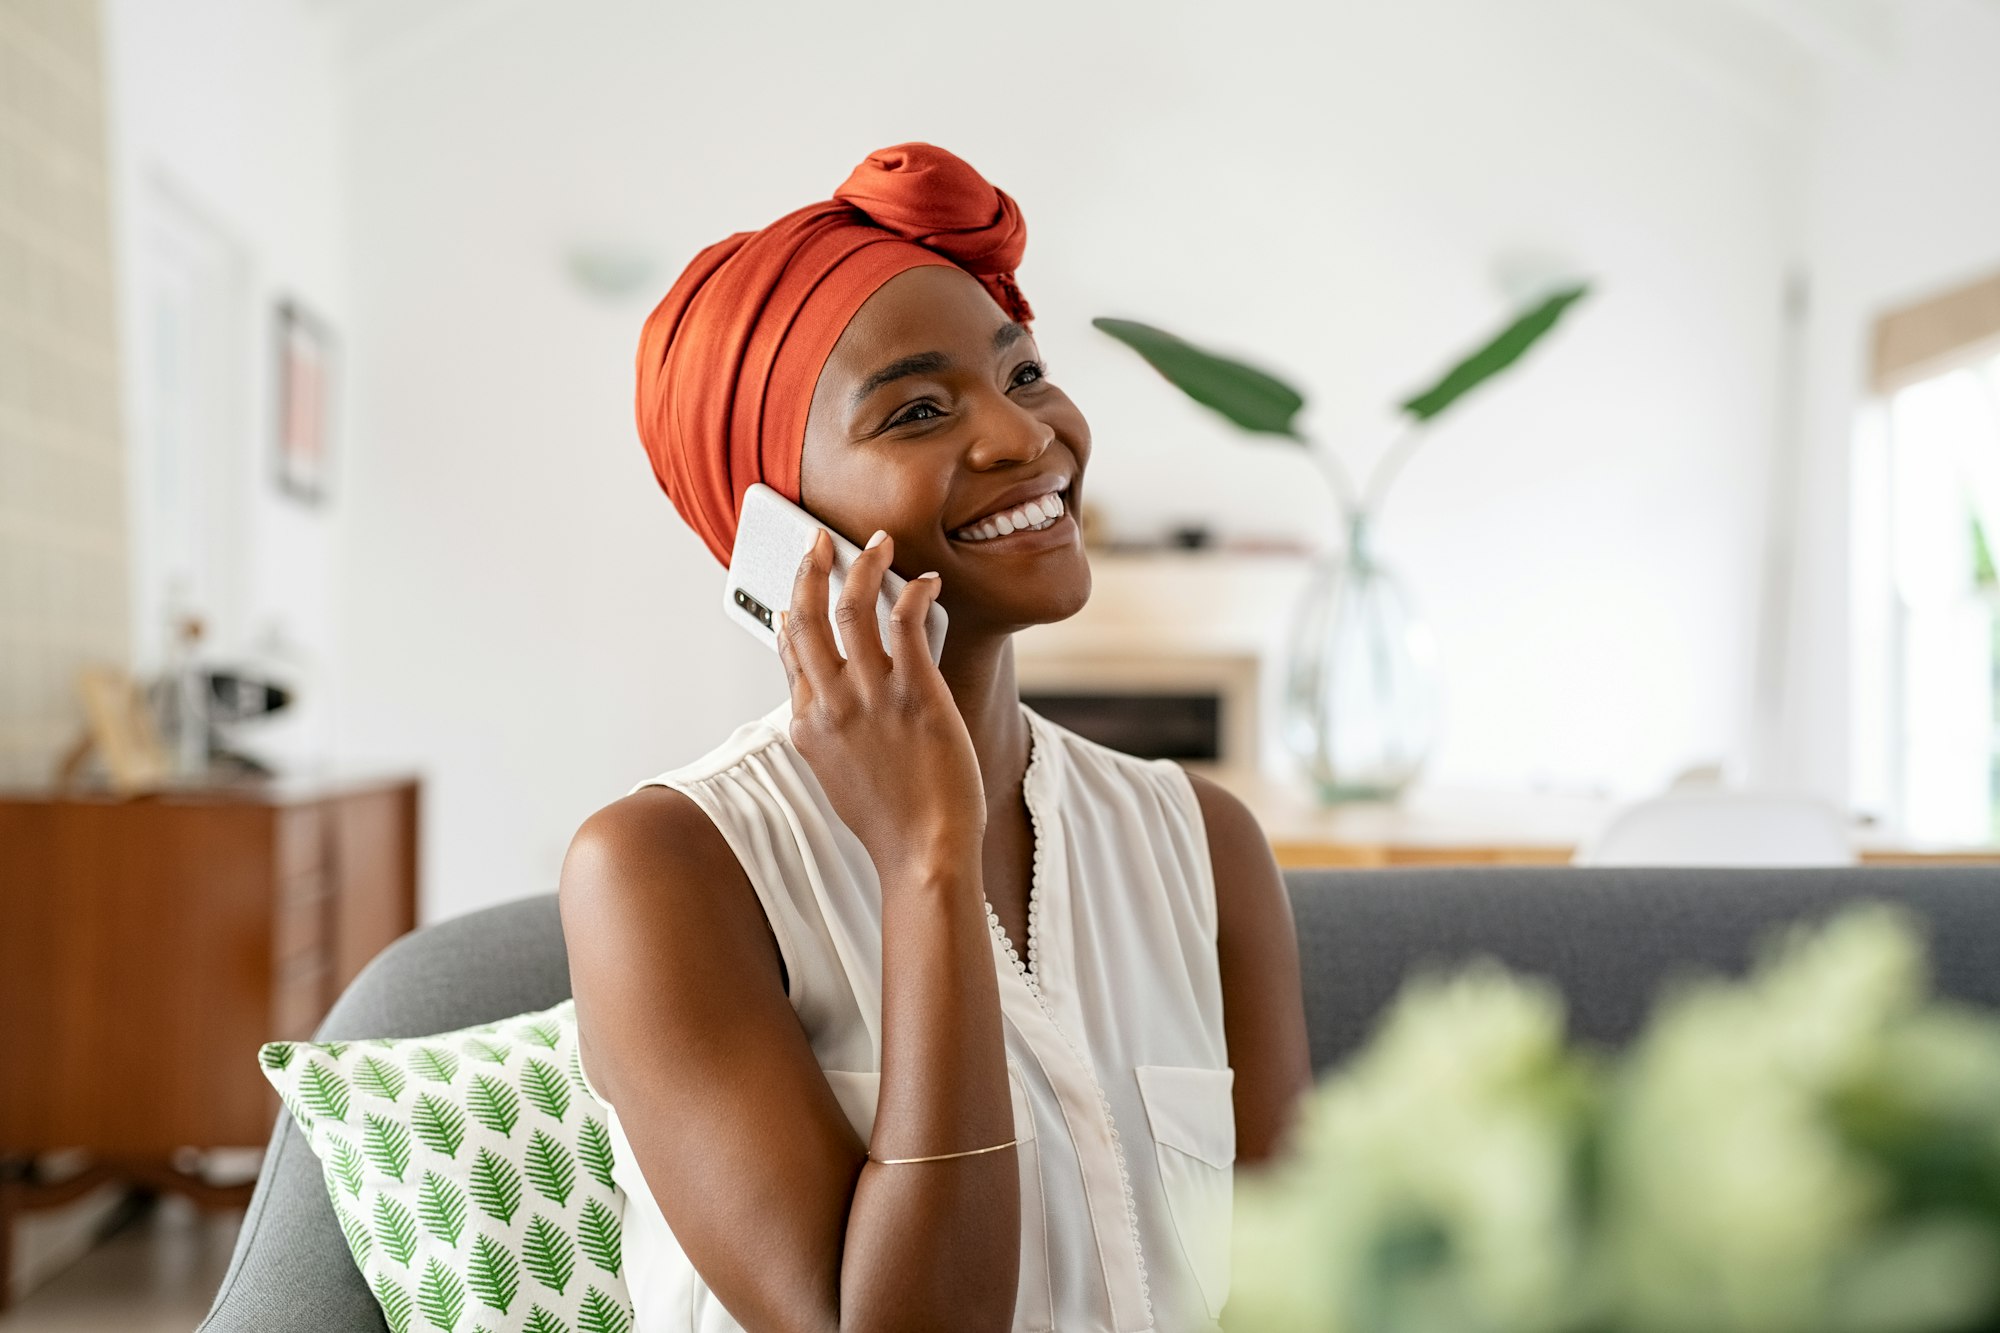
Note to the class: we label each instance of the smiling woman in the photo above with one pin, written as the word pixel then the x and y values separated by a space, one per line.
pixel 909 1007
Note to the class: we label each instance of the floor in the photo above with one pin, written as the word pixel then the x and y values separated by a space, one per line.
pixel 156 1273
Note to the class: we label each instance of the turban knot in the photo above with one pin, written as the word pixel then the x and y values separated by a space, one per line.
pixel 729 358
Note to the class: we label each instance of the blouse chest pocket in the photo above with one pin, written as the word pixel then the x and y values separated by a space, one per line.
pixel 1193 1121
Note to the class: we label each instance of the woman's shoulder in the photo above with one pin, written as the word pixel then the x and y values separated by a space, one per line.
pixel 672 814
pixel 652 835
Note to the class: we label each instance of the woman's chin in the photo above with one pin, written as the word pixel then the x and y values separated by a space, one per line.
pixel 1055 592
pixel 1058 595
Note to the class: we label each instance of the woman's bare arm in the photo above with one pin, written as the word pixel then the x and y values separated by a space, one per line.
pixel 1263 1007
pixel 688 1031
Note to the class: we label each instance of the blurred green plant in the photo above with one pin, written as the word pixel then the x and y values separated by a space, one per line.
pixel 1814 1149
pixel 1259 402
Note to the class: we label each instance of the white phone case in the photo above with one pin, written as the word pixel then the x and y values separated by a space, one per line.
pixel 772 537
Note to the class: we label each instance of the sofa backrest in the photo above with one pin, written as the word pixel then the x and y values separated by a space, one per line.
pixel 1609 937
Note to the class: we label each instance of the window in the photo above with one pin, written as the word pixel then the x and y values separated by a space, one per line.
pixel 1926 612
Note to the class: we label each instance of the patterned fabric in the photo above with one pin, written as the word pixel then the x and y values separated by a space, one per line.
pixel 471 1172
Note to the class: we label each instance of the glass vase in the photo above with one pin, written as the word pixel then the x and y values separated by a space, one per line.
pixel 1362 692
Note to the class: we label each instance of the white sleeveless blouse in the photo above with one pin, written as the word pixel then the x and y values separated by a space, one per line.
pixel 1115 1050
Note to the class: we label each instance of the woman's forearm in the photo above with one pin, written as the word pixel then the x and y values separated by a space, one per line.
pixel 936 1244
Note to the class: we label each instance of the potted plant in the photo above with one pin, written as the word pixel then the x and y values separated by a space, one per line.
pixel 1360 677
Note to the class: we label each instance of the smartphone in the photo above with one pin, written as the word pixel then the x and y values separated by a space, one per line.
pixel 772 537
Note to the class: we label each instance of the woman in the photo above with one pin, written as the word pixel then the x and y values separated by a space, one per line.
pixel 913 1009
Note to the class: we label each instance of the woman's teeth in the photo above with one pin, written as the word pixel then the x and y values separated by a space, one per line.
pixel 1035 514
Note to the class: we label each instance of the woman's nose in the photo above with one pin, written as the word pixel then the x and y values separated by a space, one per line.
pixel 1009 432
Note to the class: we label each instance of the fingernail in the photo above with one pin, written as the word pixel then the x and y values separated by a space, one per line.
pixel 876 540
pixel 781 622
pixel 928 574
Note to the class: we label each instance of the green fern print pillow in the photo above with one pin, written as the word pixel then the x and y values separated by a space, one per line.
pixel 471 1172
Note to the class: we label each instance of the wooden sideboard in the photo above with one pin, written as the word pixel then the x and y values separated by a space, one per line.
pixel 148 946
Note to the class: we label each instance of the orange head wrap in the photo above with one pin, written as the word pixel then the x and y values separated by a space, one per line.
pixel 729 358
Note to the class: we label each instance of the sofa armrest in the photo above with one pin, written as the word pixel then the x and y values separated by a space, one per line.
pixel 290 1271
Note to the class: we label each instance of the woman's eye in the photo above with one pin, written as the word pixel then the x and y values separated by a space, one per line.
pixel 909 414
pixel 1032 370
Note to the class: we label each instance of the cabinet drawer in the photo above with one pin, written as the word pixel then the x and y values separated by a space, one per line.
pixel 311 887
pixel 300 928
pixel 301 840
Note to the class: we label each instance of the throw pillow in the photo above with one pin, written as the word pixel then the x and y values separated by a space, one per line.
pixel 471 1173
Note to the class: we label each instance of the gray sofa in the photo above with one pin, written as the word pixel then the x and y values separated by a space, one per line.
pixel 1607 936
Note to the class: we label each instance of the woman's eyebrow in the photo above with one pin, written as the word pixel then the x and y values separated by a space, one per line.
pixel 923 363
pixel 1008 334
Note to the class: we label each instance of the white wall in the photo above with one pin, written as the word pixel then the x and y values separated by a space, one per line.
pixel 1903 199
pixel 1327 187
pixel 225 125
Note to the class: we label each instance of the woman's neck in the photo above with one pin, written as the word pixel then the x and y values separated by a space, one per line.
pixel 981 679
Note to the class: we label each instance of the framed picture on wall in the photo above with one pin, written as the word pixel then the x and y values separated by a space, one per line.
pixel 304 401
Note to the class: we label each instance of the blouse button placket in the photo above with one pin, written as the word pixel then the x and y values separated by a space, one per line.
pixel 1030 976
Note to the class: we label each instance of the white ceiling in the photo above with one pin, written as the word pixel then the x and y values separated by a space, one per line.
pixel 1764 57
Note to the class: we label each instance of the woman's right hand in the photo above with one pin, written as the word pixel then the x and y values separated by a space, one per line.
pixel 882 733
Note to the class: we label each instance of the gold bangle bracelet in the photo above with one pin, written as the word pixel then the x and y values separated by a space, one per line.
pixel 938 1157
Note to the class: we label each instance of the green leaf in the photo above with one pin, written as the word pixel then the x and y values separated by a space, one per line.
pixel 439 1125
pixel 541 1321
pixel 359 1242
pixel 335 1049
pixel 387 1144
pixel 1984 574
pixel 546 1252
pixel 551 1168
pixel 495 1186
pixel 434 1063
pixel 275 1054
pixel 600 1236
pixel 493 1104
pixel 543 1032
pixel 395 1230
pixel 495 1277
pixel 441 1296
pixel 600 1314
pixel 380 1077
pixel 576 1071
pixel 594 1147
pixel 298 1110
pixel 1502 351
pixel 324 1091
pixel 395 1303
pixel 486 1050
pixel 1252 399
pixel 441 1205
pixel 544 1087
pixel 343 1165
